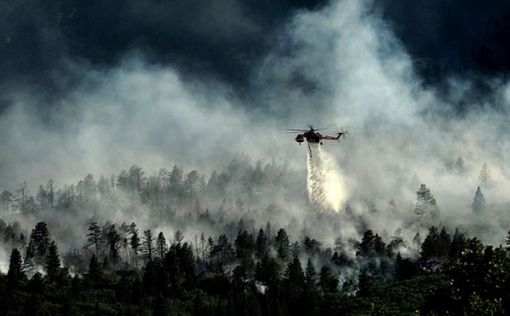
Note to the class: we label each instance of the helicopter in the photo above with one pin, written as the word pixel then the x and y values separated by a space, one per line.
pixel 312 135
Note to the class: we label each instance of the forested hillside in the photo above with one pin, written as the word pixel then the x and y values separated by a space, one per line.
pixel 238 242
pixel 129 272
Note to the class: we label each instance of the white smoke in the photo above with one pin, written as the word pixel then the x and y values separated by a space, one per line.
pixel 4 260
pixel 326 189
pixel 351 69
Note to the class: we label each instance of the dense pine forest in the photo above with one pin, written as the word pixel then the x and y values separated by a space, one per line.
pixel 255 274
pixel 91 249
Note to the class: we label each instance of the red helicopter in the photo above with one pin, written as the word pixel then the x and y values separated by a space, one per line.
pixel 313 136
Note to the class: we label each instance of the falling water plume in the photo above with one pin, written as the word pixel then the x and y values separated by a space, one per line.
pixel 325 185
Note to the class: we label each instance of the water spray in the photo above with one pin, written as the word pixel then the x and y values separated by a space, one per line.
pixel 325 184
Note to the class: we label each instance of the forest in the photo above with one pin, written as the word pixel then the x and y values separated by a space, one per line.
pixel 90 251
pixel 223 213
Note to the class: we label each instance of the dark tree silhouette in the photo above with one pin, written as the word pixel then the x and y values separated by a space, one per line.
pixel 39 243
pixel 95 272
pixel 53 265
pixel 134 243
pixel 282 244
pixel 161 246
pixel 328 280
pixel 15 274
pixel 148 244
pixel 94 237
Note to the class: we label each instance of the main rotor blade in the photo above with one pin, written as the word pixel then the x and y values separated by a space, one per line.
pixel 325 128
pixel 296 130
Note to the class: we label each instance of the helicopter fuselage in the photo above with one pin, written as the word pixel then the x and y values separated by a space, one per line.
pixel 310 136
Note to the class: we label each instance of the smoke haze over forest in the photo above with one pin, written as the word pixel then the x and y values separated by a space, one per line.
pixel 170 116
pixel 138 83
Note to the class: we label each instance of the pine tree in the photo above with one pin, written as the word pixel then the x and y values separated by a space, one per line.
pixel 269 232
pixel 267 271
pixel 134 243
pixel 312 246
pixel 95 270
pixel 444 243
pixel 7 200
pixel 435 249
pixel 202 248
pixel 507 240
pixel 76 286
pixel 426 206
pixel 295 276
pixel 222 251
pixel 398 267
pixel 479 204
pixel 379 245
pixel 175 181
pixel 328 280
pixel 365 283
pixel 53 266
pixel 40 240
pixel 29 261
pixel 187 265
pixel 148 244
pixel 282 244
pixel 244 271
pixel 457 246
pixel 295 284
pixel 430 244
pixel 15 274
pixel 94 237
pixel 310 275
pixel 244 245
pixel 367 245
pixel 113 240
pixel 179 237
pixel 161 246
pixel 404 268
pixel 261 243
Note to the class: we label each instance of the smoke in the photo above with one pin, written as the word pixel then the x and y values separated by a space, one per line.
pixel 344 65
pixel 4 260
pixel 337 64
pixel 326 189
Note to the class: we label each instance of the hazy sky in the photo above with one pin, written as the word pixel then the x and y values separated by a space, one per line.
pixel 98 86
pixel 226 39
